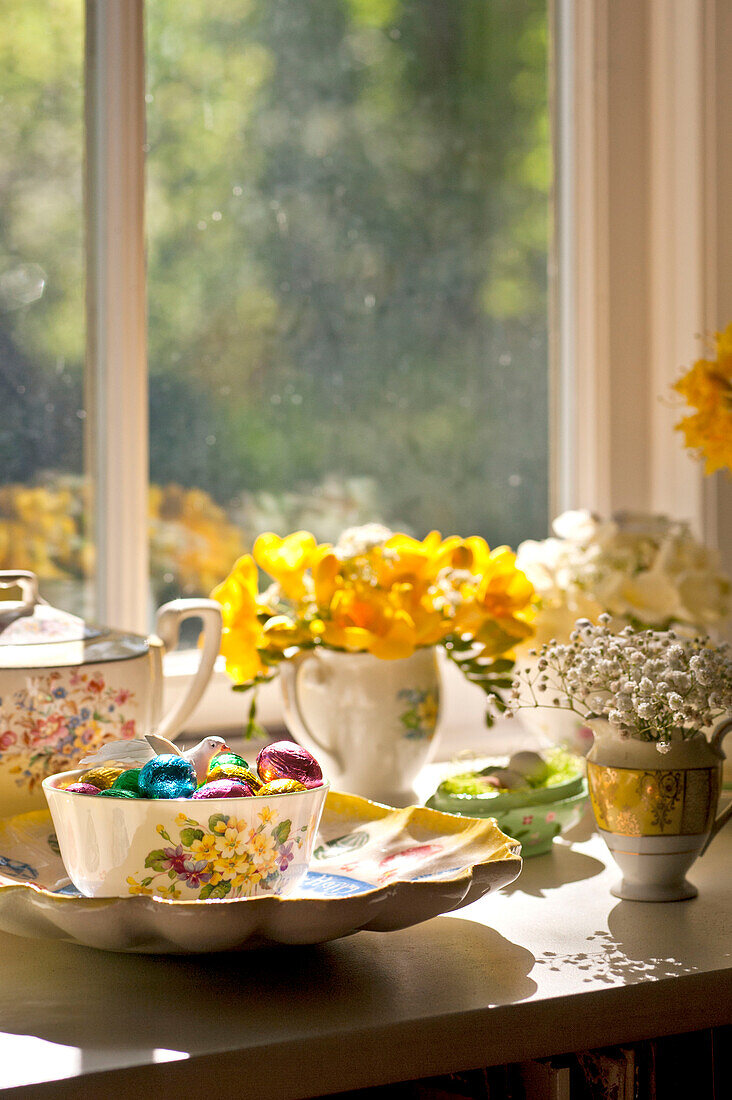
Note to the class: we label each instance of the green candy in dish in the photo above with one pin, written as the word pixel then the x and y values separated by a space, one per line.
pixel 543 796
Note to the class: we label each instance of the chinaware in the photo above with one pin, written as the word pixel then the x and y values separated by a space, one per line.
pixel 67 686
pixel 534 823
pixel 532 816
pixel 183 847
pixel 656 811
pixel 373 868
pixel 370 722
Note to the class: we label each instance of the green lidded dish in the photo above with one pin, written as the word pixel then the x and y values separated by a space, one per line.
pixel 534 813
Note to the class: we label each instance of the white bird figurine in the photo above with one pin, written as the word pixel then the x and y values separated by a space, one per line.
pixel 136 753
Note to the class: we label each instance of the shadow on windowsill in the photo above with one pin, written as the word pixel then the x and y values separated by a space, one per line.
pixel 554 870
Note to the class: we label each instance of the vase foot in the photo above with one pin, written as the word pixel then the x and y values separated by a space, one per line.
pixel 645 891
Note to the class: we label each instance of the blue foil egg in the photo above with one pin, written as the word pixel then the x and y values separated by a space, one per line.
pixel 167 776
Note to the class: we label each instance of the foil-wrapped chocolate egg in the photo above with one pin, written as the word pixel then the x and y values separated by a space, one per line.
pixel 102 777
pixel 229 758
pixel 83 788
pixel 284 760
pixel 233 771
pixel 223 788
pixel 128 781
pixel 167 776
pixel 117 792
pixel 281 786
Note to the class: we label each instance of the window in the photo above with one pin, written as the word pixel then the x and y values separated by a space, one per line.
pixel 348 231
pixel 348 218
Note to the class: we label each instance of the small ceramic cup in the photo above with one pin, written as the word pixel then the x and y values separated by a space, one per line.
pixel 184 848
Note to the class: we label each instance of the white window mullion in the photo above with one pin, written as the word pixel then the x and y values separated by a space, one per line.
pixel 718 75
pixel 582 363
pixel 682 215
pixel 563 487
pixel 117 440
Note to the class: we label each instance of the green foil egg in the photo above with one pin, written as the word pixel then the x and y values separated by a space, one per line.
pixel 128 781
pixel 229 758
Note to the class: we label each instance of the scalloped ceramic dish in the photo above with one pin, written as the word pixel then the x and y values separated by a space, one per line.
pixel 374 868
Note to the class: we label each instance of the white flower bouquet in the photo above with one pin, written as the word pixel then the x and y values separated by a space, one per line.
pixel 646 571
pixel 650 685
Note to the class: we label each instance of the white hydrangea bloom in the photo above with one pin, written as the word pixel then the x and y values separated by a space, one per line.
pixel 647 570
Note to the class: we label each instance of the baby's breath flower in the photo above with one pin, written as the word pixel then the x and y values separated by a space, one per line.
pixel 650 685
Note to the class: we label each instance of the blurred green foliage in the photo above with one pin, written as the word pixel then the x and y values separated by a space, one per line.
pixel 347 207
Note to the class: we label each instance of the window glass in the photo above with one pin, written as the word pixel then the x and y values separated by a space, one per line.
pixel 44 513
pixel 348 218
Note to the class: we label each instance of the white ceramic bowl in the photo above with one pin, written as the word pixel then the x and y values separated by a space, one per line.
pixel 187 848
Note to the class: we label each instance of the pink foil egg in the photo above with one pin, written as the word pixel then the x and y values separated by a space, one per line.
pixel 223 788
pixel 83 788
pixel 285 760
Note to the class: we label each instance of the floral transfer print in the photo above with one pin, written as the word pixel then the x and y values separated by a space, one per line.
pixel 53 721
pixel 224 858
pixel 420 717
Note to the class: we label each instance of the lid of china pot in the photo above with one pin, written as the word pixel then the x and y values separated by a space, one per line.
pixel 35 635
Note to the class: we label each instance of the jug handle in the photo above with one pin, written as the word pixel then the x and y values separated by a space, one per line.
pixel 289 675
pixel 167 626
pixel 719 734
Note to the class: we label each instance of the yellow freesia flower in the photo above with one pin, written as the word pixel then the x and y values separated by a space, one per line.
pixel 707 387
pixel 500 614
pixel 472 554
pixel 242 634
pixel 405 558
pixel 386 597
pixel 326 578
pixel 359 623
pixel 286 559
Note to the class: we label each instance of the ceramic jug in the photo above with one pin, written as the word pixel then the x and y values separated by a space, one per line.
pixel 370 722
pixel 657 812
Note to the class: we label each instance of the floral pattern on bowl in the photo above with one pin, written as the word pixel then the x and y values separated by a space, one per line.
pixel 222 857
pixel 374 868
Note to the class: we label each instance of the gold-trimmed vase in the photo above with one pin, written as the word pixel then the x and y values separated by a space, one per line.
pixel 656 811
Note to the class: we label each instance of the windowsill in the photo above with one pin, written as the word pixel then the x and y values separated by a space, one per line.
pixel 551 964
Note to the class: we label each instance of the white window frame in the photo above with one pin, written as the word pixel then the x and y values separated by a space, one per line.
pixel 643 215
pixel 644 236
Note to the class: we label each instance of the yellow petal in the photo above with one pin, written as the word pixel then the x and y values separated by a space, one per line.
pixel 400 641
pixel 325 574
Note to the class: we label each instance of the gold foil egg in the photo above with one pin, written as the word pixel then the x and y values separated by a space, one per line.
pixel 281 786
pixel 102 777
pixel 234 771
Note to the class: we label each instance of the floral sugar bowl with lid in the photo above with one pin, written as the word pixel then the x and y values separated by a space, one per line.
pixel 67 686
